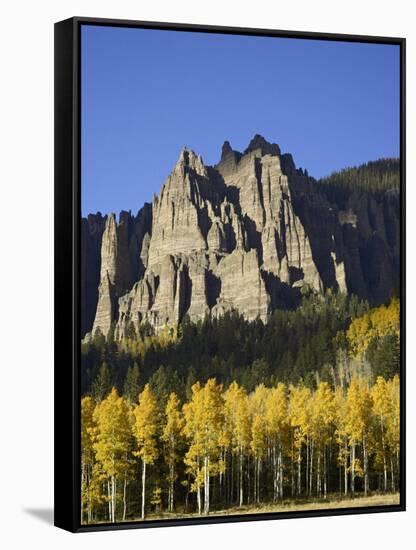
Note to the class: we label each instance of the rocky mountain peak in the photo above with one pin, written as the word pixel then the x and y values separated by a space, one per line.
pixel 226 150
pixel 266 148
pixel 189 159
pixel 251 233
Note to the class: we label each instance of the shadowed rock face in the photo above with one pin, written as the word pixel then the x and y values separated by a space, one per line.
pixel 246 234
pixel 118 257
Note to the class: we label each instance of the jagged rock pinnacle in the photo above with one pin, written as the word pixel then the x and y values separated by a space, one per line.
pixel 267 148
pixel 226 150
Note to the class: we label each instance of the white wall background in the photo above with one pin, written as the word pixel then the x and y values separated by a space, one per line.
pixel 26 271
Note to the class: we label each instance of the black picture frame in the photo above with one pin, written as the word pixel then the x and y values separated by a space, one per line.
pixel 67 271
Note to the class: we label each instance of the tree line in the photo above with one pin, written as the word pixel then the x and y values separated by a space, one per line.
pixel 327 338
pixel 374 177
pixel 225 447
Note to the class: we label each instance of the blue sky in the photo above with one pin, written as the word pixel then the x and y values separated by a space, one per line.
pixel 145 94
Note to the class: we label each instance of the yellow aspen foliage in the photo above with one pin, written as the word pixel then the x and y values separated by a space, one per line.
pixel 341 433
pixel 145 426
pixel 139 347
pixel 204 427
pixel 112 442
pixel 382 410
pixel 393 420
pixel 278 424
pixel 300 412
pixel 145 431
pixel 378 322
pixel 273 443
pixel 359 410
pixel 359 418
pixel 323 413
pixel 87 456
pixel 277 411
pixel 258 445
pixel 237 428
pixel 237 417
pixel 171 436
pixel 258 403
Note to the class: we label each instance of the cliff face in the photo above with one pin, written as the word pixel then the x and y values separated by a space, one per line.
pixel 246 234
pixel 123 260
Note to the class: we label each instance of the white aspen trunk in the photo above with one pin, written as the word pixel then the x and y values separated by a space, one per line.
pixel 275 479
pixel 206 485
pixel 254 479
pixel 325 471
pixel 258 479
pixel 384 455
pixel 221 475
pixel 198 497
pixel 307 465
pixel 352 460
pixel 340 480
pixel 124 500
pixel 318 474
pixel 292 471
pixel 281 472
pixel 83 482
pixel 248 481
pixel 171 486
pixel 311 469
pixel 299 470
pixel 398 463
pixel 345 470
pixel 143 487
pixel 227 478
pixel 365 461
pixel 114 498
pixel 393 485
pixel 208 489
pixel 109 500
pixel 232 479
pixel 241 476
pixel 89 507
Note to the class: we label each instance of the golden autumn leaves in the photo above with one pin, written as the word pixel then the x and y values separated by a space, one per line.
pixel 228 447
pixel 377 323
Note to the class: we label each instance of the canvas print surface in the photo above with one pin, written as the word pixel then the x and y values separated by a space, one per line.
pixel 240 274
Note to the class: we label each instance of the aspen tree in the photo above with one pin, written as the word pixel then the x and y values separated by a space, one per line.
pixel 341 433
pixel 204 424
pixel 237 421
pixel 145 432
pixel 171 436
pixel 393 428
pixel 300 421
pixel 323 418
pixel 277 427
pixel 87 455
pixel 191 429
pixel 382 411
pixel 359 412
pixel 112 440
pixel 258 434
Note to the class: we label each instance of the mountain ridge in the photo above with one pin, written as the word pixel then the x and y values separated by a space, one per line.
pixel 251 233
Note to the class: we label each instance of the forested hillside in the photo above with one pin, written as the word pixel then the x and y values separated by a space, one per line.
pixel 313 343
pixel 227 413
pixel 374 177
